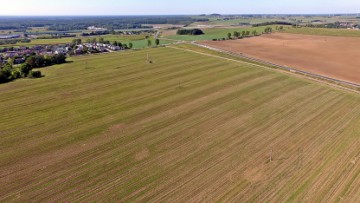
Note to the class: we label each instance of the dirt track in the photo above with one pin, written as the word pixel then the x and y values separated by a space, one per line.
pixel 336 57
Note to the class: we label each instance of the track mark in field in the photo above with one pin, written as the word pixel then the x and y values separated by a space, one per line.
pixel 255 174
pixel 37 164
pixel 143 154
pixel 117 129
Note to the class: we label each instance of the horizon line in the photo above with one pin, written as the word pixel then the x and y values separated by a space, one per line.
pixel 225 14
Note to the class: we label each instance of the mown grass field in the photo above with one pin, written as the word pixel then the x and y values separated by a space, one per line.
pixel 217 33
pixel 187 128
pixel 324 32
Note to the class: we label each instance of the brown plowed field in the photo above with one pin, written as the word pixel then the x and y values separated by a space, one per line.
pixel 335 57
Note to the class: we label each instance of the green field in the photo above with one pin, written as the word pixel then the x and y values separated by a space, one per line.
pixel 187 128
pixel 221 22
pixel 303 20
pixel 324 32
pixel 138 41
pixel 216 33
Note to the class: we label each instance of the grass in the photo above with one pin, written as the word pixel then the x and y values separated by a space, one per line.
pixel 220 22
pixel 138 41
pixel 214 21
pixel 216 33
pixel 324 32
pixel 187 128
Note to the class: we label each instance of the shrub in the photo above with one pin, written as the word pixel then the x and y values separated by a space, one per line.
pixel 15 74
pixel 5 74
pixel 34 74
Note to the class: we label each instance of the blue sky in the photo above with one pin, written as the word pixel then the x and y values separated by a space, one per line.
pixel 156 7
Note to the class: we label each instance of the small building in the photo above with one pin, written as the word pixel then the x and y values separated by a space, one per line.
pixel 19 60
pixel 60 51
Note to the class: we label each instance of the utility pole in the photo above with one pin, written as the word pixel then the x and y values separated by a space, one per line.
pixel 148 59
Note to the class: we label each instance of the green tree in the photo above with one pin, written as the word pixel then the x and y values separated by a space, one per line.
pixel 243 33
pixel 34 74
pixel 58 59
pixel 149 43
pixel 5 74
pixel 229 35
pixel 247 33
pixel 157 42
pixel 236 34
pixel 268 30
pixel 254 32
pixel 31 61
pixel 25 68
pixel 15 74
pixel 101 40
pixel 131 45
pixel 11 61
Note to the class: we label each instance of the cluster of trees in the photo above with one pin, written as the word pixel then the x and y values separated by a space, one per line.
pixel 9 73
pixel 123 45
pixel 96 33
pixel 272 23
pixel 14 41
pixel 280 28
pixel 190 32
pixel 38 61
pixel 268 30
pixel 157 42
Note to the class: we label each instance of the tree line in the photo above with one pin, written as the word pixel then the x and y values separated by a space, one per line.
pixel 96 33
pixel 190 32
pixel 272 23
pixel 64 23
pixel 247 33
pixel 14 41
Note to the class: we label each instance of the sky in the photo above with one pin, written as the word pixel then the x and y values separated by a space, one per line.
pixel 164 7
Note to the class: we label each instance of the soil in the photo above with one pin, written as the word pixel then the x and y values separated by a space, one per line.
pixel 335 57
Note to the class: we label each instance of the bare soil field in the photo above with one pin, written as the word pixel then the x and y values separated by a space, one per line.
pixel 335 57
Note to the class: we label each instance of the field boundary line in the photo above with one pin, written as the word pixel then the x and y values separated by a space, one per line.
pixel 314 77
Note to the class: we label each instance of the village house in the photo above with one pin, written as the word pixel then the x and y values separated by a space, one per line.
pixel 19 60
pixel 60 51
